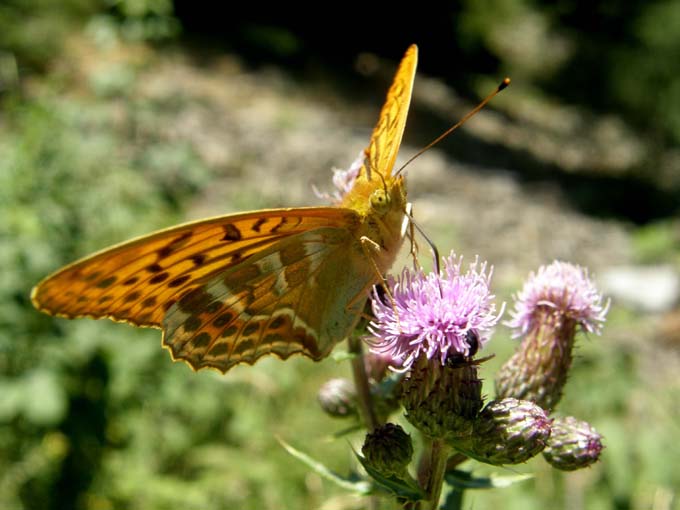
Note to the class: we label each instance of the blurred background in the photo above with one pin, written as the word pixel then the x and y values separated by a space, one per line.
pixel 118 117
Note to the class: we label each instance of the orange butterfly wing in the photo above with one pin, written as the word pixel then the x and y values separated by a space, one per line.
pixel 139 280
pixel 388 132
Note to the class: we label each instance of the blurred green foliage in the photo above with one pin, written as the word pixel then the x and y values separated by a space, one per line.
pixel 610 56
pixel 658 242
pixel 34 31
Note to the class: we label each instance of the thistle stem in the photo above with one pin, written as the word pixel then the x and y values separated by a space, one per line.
pixel 362 385
pixel 439 454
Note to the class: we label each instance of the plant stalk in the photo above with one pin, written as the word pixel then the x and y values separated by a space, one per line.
pixel 363 388
pixel 439 455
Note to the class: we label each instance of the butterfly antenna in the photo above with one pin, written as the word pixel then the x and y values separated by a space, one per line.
pixel 367 164
pixel 384 183
pixel 462 121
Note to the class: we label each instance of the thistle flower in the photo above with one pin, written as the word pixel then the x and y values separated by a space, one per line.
pixel 435 315
pixel 553 306
pixel 388 450
pixel 574 444
pixel 508 431
pixel 566 290
pixel 343 180
pixel 434 324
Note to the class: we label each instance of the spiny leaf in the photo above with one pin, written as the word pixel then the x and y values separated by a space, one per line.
pixel 353 484
pixel 401 487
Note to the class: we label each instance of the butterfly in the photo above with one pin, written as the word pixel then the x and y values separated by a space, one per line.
pixel 231 289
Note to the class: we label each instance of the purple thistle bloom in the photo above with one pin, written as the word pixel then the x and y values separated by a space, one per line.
pixel 434 314
pixel 566 289
pixel 343 180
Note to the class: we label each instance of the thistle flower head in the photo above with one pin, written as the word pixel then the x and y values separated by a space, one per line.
pixel 337 397
pixel 565 288
pixel 388 449
pixel 508 431
pixel 554 304
pixel 435 314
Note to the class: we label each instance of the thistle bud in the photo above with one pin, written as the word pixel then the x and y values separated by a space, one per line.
pixel 442 401
pixel 551 308
pixel 574 444
pixel 508 431
pixel 388 450
pixel 338 398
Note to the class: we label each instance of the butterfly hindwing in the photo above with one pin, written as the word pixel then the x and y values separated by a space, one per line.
pixel 138 281
pixel 296 297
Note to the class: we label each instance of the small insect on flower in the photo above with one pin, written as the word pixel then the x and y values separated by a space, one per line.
pixel 437 315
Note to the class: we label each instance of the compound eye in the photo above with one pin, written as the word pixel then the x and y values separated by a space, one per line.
pixel 379 200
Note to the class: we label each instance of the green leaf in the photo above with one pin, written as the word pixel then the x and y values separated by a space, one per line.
pixel 466 480
pixel 359 486
pixel 406 488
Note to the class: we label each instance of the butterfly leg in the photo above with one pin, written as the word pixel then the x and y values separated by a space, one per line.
pixel 370 246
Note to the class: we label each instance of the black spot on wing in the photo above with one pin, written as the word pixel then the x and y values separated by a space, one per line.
pixel 161 277
pixel 231 233
pixel 258 224
pixel 132 296
pixel 107 282
pixel 194 301
pixel 179 281
pixel 149 302
pixel 192 323
pixel 198 259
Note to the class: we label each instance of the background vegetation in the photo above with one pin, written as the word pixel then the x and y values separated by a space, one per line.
pixel 121 116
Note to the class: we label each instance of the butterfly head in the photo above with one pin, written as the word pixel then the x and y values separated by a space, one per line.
pixel 374 194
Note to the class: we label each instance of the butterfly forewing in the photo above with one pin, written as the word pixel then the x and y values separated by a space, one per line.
pixel 388 132
pixel 138 281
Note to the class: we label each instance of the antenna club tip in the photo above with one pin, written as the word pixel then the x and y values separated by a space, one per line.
pixel 504 83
